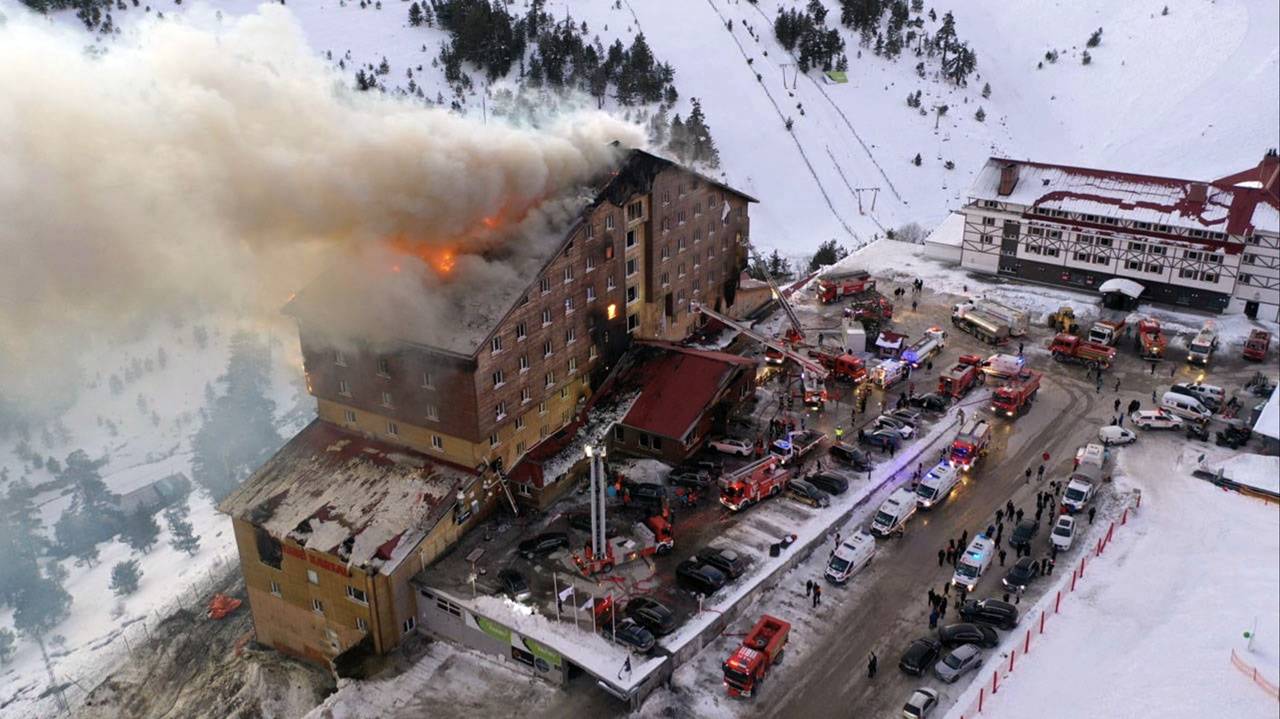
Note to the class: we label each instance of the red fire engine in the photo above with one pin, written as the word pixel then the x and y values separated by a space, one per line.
pixel 971 444
pixel 963 376
pixel 1069 348
pixel 1151 341
pixel 835 286
pixel 757 481
pixel 749 663
pixel 1255 348
pixel 1016 396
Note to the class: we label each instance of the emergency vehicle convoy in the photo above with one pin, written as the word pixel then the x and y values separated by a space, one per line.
pixel 1015 396
pixel 963 376
pixel 971 444
pixel 753 483
pixel 747 667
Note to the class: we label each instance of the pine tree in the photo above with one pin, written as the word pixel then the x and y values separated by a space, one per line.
pixel 1095 39
pixel 917 160
pixel 980 115
pixel 986 90
pixel 678 145
pixel 183 536
pixel 125 577
pixel 93 516
pixel 828 253
pixel 702 148
pixel 140 531
pixel 1086 58
pixel 6 646
pixel 22 541
pixel 42 604
pixel 415 15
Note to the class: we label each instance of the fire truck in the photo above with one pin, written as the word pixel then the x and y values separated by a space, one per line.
pixel 653 536
pixel 962 377
pixel 835 286
pixel 1069 348
pixel 842 366
pixel 923 349
pixel 796 445
pixel 747 666
pixel 1150 341
pixel 757 481
pixel 1016 395
pixel 875 309
pixel 971 444
pixel 1255 348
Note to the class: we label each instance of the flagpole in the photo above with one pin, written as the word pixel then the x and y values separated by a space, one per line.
pixel 555 588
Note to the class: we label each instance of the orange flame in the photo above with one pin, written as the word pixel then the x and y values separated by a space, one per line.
pixel 442 259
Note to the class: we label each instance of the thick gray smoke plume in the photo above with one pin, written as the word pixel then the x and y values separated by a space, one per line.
pixel 208 163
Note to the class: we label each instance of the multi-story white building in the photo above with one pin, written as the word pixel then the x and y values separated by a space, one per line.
pixel 1209 245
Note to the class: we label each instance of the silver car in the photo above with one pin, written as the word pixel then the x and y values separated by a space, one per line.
pixel 920 704
pixel 955 663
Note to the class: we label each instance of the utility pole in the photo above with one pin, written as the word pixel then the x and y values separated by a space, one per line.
pixel 875 191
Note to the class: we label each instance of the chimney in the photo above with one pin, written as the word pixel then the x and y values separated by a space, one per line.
pixel 1269 173
pixel 1198 193
pixel 1008 178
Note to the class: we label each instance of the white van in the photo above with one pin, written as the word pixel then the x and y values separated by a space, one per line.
pixel 1093 455
pixel 1185 407
pixel 894 513
pixel 974 561
pixel 1003 365
pixel 853 554
pixel 936 485
pixel 1078 494
pixel 1211 396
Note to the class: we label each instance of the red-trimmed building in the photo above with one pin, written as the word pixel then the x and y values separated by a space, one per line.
pixel 1210 245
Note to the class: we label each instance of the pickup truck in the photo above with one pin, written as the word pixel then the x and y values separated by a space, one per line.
pixel 796 445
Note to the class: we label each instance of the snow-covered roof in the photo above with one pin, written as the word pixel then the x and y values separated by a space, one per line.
pixel 949 232
pixel 366 502
pixel 1222 208
pixel 1268 424
pixel 1123 286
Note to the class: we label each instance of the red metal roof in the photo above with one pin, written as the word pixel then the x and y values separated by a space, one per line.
pixel 678 386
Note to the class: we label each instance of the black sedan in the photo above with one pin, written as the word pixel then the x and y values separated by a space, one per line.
pixel 699 578
pixel 730 562
pixel 543 544
pixel 920 655
pixel 856 457
pixel 1001 615
pixel 953 635
pixel 1020 575
pixel 881 438
pixel 652 615
pixel 581 521
pixel 629 633
pixel 829 483
pixel 932 402
pixel 1023 533
pixel 514 585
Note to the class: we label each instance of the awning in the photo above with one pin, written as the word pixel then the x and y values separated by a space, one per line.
pixel 1123 286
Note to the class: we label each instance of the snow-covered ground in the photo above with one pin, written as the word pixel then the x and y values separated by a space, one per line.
pixel 139 451
pixel 1151 629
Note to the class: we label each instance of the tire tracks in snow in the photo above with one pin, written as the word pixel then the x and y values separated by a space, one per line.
pixel 724 23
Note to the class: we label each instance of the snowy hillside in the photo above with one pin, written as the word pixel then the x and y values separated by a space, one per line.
pixel 1190 93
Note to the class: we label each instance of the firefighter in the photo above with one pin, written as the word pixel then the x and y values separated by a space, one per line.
pixel 839 432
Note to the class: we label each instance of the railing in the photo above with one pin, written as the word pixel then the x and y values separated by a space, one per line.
pixel 1251 671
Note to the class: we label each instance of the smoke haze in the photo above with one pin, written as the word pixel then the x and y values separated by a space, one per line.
pixel 198 163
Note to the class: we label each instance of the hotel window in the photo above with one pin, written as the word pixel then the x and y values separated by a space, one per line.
pixel 666 252
pixel 357 595
pixel 633 323
pixel 494 440
pixel 393 429
pixel 591 263
pixel 591 293
pixel 666 279
pixel 631 239
pixel 571 335
pixel 1186 274
pixel 635 211
pixel 275 589
pixel 349 415
pixel 500 411
pixel 526 395
pixel 386 400
pixel 666 225
pixel 1250 259
pixel 989 221
pixel 409 624
pixel 633 266
pixel 573 365
pixel 680 217
pixel 520 447
pixel 433 413
pixel 680 270
pixel 546 348
pixel 1209 277
pixel 990 203
pixel 361 624
pixel 568 274
pixel 495 345
pixel 437 442
pixel 633 294
pixel 312 577
pixel 697 209
pixel 712 199
pixel 426 381
pixel 568 305
pixel 520 422
pixel 344 389
pixel 542 408
pixel 666 197
pixel 498 379
pixel 544 284
pixel 592 352
pixel 384 367
pixel 610 283
pixel 591 231
pixel 549 379
pixel 339 359
pixel 317 606
pixel 680 244
pixel 524 363
pixel 521 331
pixel 608 222
pixel 1101 260
pixel 546 317
pixel 1154 269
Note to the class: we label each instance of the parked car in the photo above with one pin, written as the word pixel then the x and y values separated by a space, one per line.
pixel 920 704
pixel 689 478
pixel 1234 435
pixel 932 402
pixel 953 635
pixel 1064 533
pixel 829 483
pixel 651 614
pixel 1001 615
pixel 908 416
pixel 513 584
pixel 1155 419
pixel 581 521
pixel 885 421
pixel 699 578
pixel 1023 533
pixel 646 493
pixel 1209 395
pixel 964 658
pixel 919 655
pixel 1197 430
pixel 1020 574
pixel 1113 435
pixel 629 633
pixel 856 457
pixel 730 562
pixel 733 445
pixel 543 544
pixel 882 438
pixel 805 493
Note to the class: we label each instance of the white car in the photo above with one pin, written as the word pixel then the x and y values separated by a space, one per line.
pixel 731 445
pixel 921 703
pixel 903 429
pixel 1064 532
pixel 1113 435
pixel 1155 419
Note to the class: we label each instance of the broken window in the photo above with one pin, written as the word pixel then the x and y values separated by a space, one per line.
pixel 270 551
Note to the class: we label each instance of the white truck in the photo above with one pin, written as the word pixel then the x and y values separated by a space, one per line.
pixel 975 560
pixel 1016 320
pixel 1002 365
pixel 924 349
pixel 853 554
pixel 1203 345
pixel 937 485
pixel 991 330
pixel 893 514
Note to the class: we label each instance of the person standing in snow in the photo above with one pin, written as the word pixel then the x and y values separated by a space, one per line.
pixel 942 556
pixel 817 595
pixel 1002 556
pixel 933 619
pixel 871 666
pixel 1092 511
pixel 808 588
